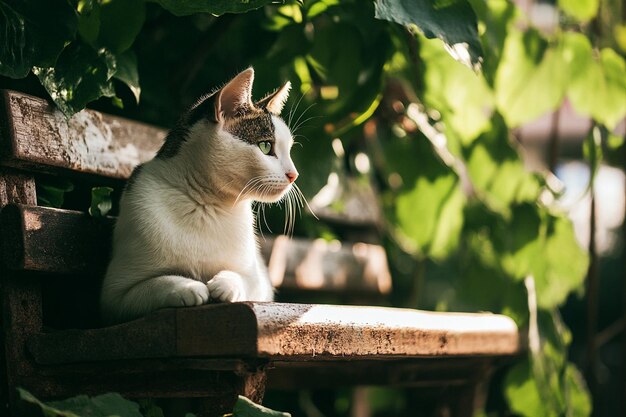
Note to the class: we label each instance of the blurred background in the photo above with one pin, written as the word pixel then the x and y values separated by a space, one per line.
pixel 480 142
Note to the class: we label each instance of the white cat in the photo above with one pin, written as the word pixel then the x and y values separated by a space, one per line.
pixel 185 232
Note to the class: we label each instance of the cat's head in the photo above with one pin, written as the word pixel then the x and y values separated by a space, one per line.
pixel 244 145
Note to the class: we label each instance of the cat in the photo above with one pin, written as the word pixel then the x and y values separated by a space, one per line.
pixel 185 232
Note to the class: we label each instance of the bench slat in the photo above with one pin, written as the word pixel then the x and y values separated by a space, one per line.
pixel 282 331
pixel 51 240
pixel 60 241
pixel 38 136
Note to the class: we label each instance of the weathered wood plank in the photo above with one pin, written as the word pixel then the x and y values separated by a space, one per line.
pixel 293 332
pixel 36 135
pixel 317 332
pixel 329 266
pixel 67 242
pixel 153 336
pixel 442 371
pixel 216 386
pixel 16 188
pixel 51 240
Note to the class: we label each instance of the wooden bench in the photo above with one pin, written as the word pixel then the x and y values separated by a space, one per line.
pixel 53 260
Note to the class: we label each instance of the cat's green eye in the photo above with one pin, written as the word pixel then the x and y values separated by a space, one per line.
pixel 265 147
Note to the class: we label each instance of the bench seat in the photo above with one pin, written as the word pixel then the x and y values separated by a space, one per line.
pixel 284 331
pixel 53 261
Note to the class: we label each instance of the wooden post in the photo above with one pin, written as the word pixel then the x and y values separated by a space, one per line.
pixel 20 297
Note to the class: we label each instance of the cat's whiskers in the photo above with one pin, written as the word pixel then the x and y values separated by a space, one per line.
pixel 297 122
pixel 303 199
pixel 294 109
pixel 251 183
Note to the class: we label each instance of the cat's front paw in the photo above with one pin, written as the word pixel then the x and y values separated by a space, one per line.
pixel 226 286
pixel 187 294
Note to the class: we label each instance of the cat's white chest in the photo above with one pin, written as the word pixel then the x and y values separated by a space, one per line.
pixel 212 243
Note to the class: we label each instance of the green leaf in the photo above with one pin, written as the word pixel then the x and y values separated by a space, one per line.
pixel 496 170
pixel 459 94
pixel 452 21
pixel 340 65
pixel 51 191
pixel 430 213
pixel 89 21
pixel 529 81
pixel 619 33
pixel 101 202
pixel 597 84
pixel 495 17
pixel 120 23
pixel 127 72
pixel 521 242
pixel 522 393
pixel 577 396
pixel 583 10
pixel 80 76
pixel 105 405
pixel 592 151
pixel 319 7
pixel 563 265
pixel 148 408
pixel 217 7
pixel 33 34
pixel 246 408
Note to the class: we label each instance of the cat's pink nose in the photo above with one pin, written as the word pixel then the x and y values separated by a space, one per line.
pixel 291 176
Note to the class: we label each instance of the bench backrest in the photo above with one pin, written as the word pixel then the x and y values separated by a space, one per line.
pixel 67 251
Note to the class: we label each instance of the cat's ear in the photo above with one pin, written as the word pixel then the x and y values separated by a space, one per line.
pixel 236 96
pixel 275 102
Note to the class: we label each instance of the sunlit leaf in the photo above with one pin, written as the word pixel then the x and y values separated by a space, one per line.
pixel 452 21
pixel 521 241
pixel 430 213
pixel 577 396
pixel 563 264
pixel 580 9
pixel 81 75
pixel 619 33
pixel 529 81
pixel 459 94
pixel 246 408
pixel 319 7
pixel 597 84
pixel 495 18
pixel 522 393
pixel 496 170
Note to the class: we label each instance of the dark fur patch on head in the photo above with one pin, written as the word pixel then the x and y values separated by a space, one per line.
pixel 133 177
pixel 173 142
pixel 204 109
pixel 252 126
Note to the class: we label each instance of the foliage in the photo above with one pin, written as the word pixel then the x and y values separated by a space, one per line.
pixel 246 408
pixel 101 202
pixel 429 91
pixel 105 405
pixel 114 405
